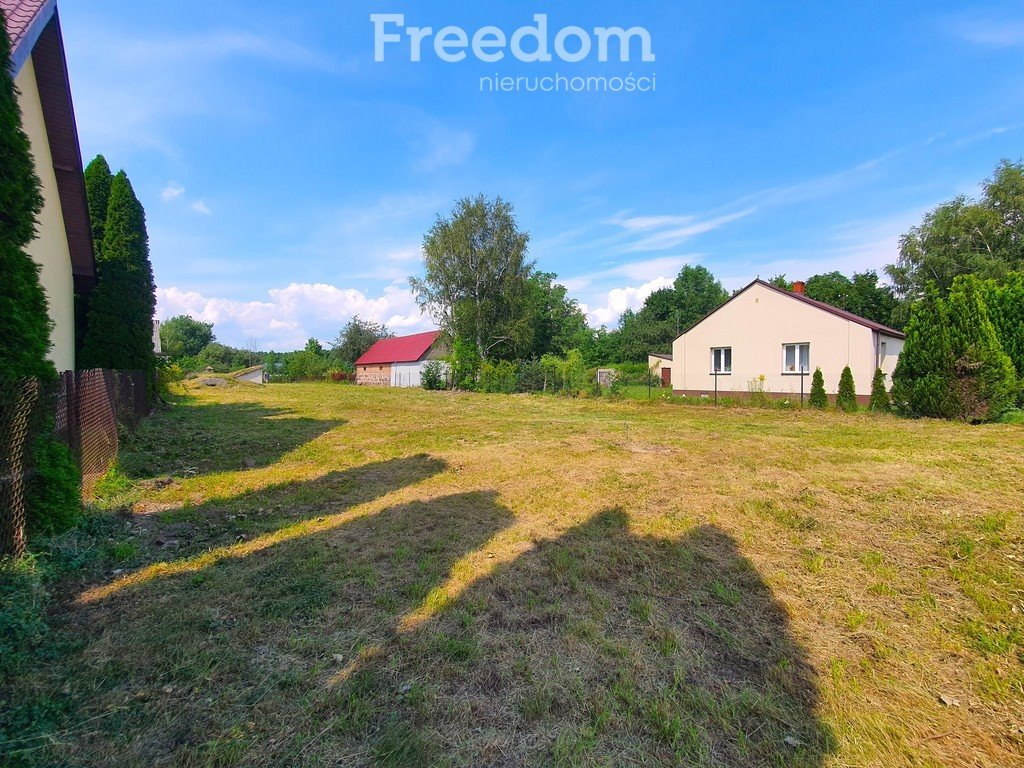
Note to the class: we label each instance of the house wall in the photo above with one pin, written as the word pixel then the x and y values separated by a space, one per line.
pixel 253 377
pixel 655 364
pixel 408 374
pixel 893 348
pixel 374 375
pixel 50 248
pixel 756 324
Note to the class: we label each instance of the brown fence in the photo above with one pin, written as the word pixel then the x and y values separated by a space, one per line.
pixel 86 410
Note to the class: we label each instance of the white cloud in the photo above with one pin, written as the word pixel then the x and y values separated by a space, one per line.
pixel 172 191
pixel 644 270
pixel 856 246
pixel 990 32
pixel 292 314
pixel 618 300
pixel 199 206
pixel 671 231
pixel 658 232
pixel 439 146
pixel 984 135
pixel 148 83
pixel 404 255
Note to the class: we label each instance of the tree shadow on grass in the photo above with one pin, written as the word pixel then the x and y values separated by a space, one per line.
pixel 190 538
pixel 227 664
pixel 599 648
pixel 198 438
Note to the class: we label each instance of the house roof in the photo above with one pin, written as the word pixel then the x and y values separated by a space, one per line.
pixel 245 371
pixel 812 302
pixel 25 22
pixel 33 27
pixel 402 349
pixel 660 355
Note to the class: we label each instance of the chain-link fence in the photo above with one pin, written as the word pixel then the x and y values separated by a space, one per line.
pixel 86 410
pixel 21 408
pixel 794 387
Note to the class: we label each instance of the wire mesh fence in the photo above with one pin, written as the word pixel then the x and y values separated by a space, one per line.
pixel 85 410
pixel 20 412
pixel 794 388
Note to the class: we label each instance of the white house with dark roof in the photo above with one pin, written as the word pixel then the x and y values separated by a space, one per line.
pixel 782 336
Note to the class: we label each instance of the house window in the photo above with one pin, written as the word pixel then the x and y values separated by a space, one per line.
pixel 721 360
pixel 796 358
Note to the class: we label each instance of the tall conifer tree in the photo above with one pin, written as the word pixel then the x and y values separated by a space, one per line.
pixel 121 306
pixel 24 319
pixel 923 375
pixel 1005 302
pixel 98 179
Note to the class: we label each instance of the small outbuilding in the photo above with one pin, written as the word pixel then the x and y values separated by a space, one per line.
pixel 253 375
pixel 399 361
pixel 661 368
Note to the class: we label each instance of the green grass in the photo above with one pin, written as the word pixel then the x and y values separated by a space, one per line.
pixel 318 574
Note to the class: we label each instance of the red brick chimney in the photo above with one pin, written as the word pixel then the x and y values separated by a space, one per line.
pixel 798 286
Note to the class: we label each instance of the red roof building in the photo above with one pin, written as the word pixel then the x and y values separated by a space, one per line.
pixel 399 361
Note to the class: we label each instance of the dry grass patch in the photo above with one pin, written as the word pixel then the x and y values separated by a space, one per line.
pixel 332 575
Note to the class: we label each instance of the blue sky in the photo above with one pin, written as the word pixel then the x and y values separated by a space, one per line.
pixel 288 178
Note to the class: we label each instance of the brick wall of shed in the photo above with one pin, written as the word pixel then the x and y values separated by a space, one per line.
pixel 374 375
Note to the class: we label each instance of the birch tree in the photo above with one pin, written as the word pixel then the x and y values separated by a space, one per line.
pixel 475 273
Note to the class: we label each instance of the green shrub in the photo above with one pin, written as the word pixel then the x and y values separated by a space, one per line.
pixel 306 366
pixel 433 376
pixel 552 369
pixel 818 398
pixel 846 400
pixel 985 381
pixel 22 622
pixel 1004 300
pixel 879 402
pixel 632 373
pixel 531 376
pixel 574 372
pixel 921 383
pixel 465 364
pixel 501 377
pixel 54 499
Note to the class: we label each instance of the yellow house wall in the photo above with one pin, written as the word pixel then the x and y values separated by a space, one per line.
pixel 656 364
pixel 50 248
pixel 756 324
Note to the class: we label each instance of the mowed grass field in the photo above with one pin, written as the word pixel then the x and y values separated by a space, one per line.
pixel 317 574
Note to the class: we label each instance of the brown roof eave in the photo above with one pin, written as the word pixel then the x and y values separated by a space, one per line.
pixel 51 70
